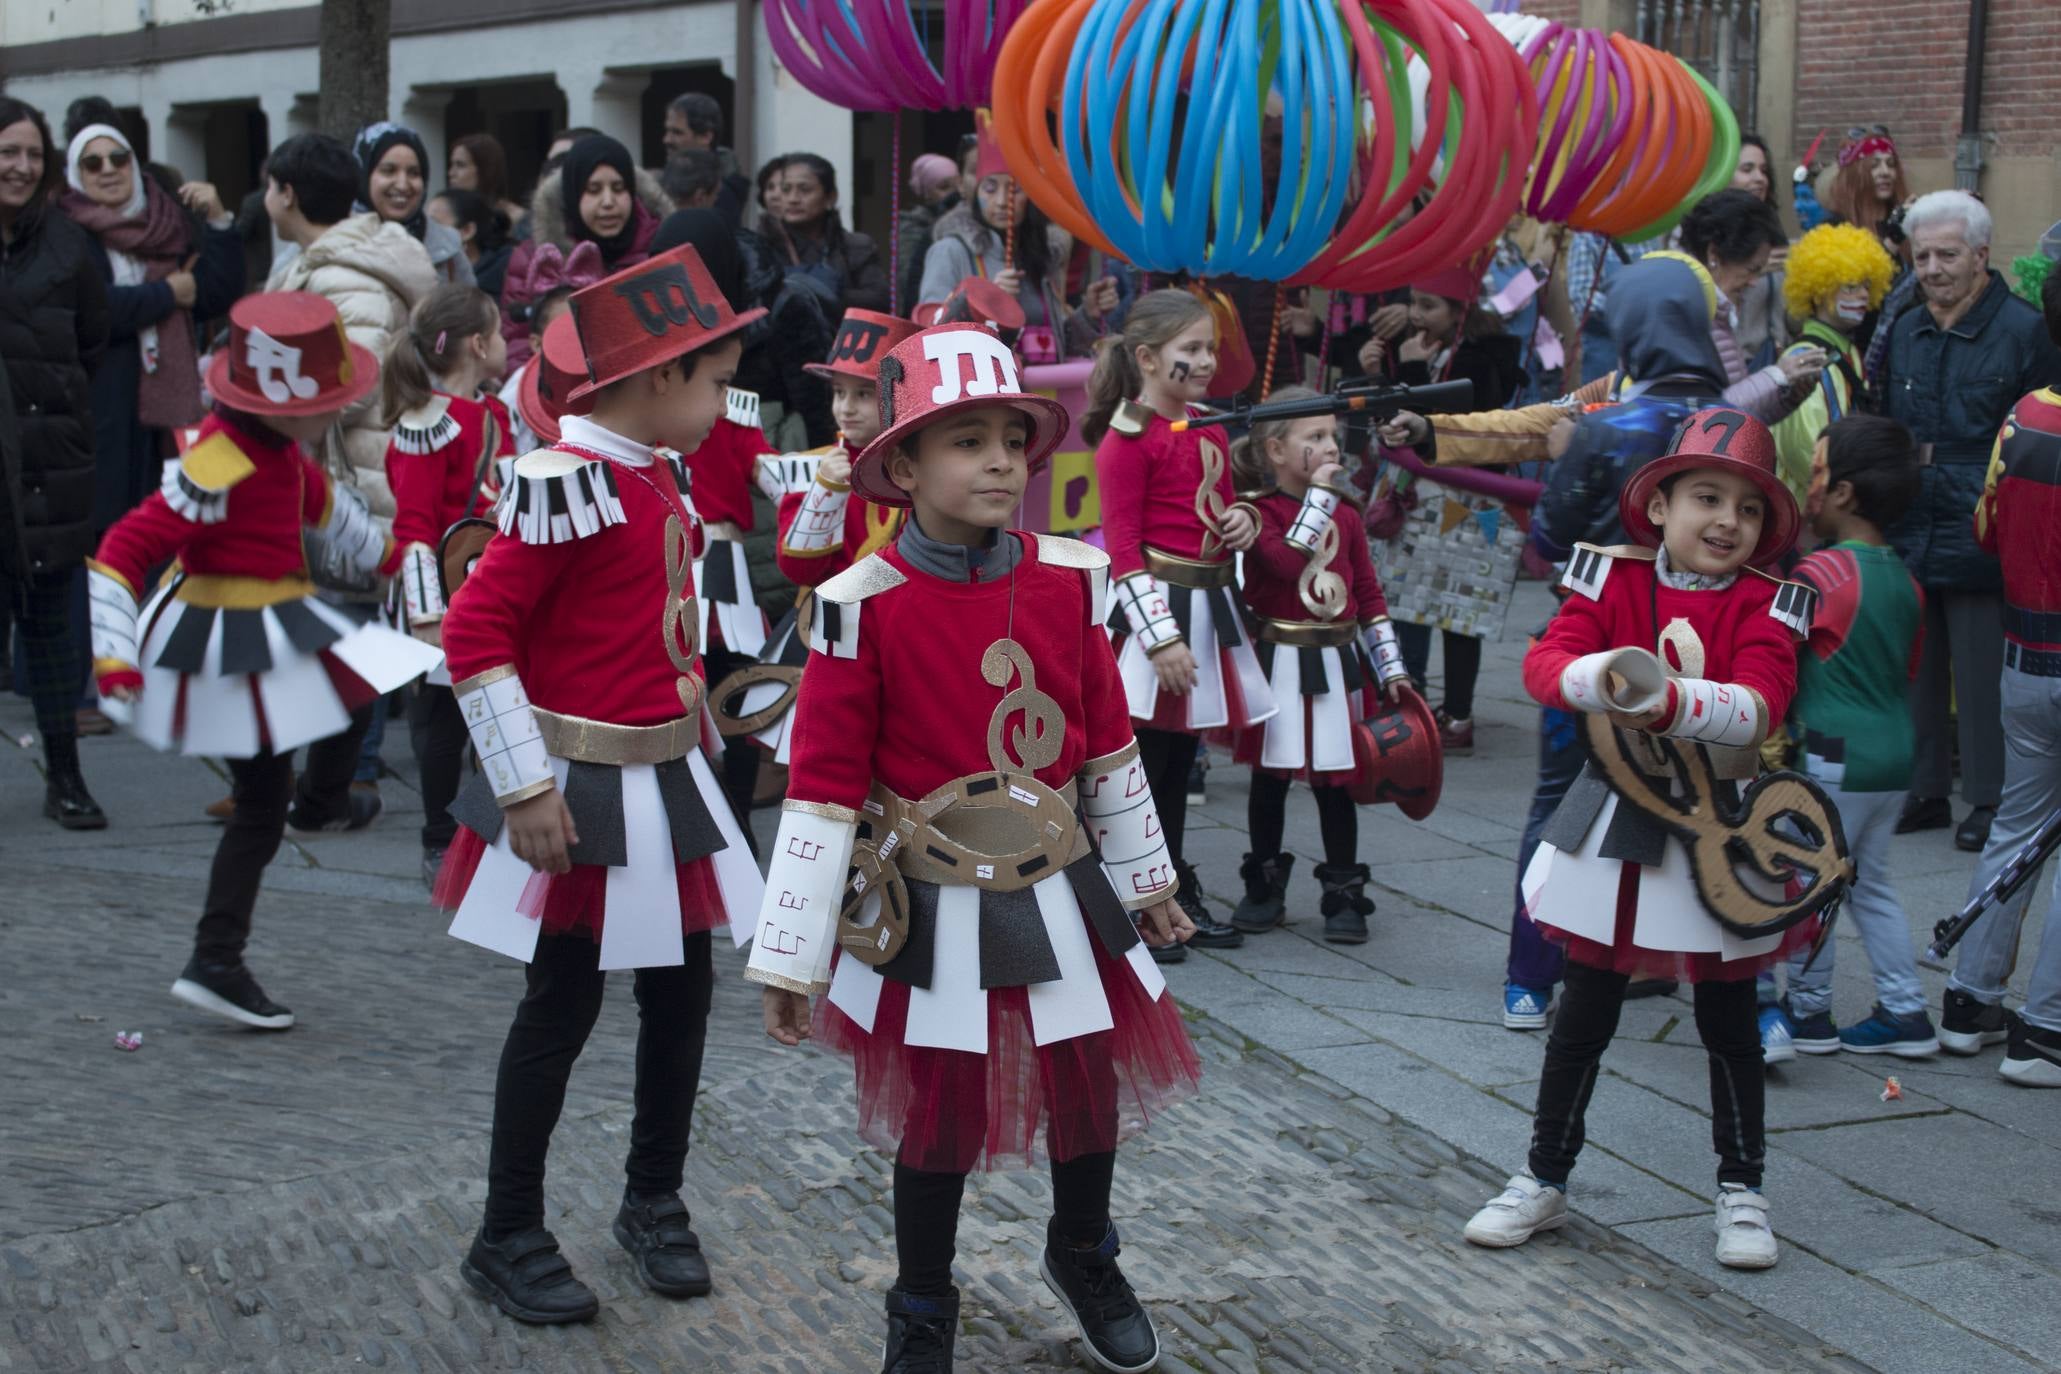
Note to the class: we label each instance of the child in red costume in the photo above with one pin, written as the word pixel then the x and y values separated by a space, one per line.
pixel 595 836
pixel 1607 879
pixel 1171 525
pixel 235 656
pixel 449 435
pixel 960 703
pixel 1330 653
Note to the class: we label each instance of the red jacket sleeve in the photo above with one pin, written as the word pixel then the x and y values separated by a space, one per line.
pixel 151 534
pixel 1764 658
pixel 1122 468
pixel 1271 562
pixel 837 719
pixel 806 572
pixel 506 585
pixel 418 481
pixel 1102 689
pixel 1581 627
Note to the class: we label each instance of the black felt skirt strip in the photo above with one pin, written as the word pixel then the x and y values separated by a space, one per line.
pixel 694 830
pixel 245 648
pixel 186 647
pixel 307 632
pixel 1178 600
pixel 794 653
pixel 594 795
pixel 1350 668
pixel 476 810
pixel 1569 824
pixel 914 965
pixel 1015 948
pixel 719 573
pixel 1315 681
pixel 1099 903
pixel 1230 626
pixel 1634 837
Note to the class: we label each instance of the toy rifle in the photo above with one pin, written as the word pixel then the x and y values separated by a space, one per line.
pixel 1379 402
pixel 2023 867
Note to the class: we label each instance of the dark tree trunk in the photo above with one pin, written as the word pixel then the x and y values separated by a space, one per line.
pixel 353 71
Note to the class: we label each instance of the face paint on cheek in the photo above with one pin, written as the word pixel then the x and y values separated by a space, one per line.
pixel 1179 372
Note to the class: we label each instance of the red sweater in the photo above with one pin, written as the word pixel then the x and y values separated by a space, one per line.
pixel 721 470
pixel 1743 643
pixel 583 621
pixel 272 490
pixel 1148 488
pixel 1274 569
pixel 912 709
pixel 2024 531
pixel 432 490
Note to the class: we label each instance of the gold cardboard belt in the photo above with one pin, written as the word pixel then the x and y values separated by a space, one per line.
pixel 1188 572
pixel 1002 831
pixel 597 741
pixel 1309 634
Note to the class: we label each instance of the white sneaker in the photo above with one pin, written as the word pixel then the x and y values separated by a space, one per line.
pixel 1525 1208
pixel 1744 1240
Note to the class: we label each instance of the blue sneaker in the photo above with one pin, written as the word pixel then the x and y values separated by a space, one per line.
pixel 1777 1036
pixel 1906 1037
pixel 1815 1034
pixel 1525 1008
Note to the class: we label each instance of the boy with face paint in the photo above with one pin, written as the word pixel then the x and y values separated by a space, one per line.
pixel 961 744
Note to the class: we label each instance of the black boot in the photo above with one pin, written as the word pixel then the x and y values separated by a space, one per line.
pixel 1346 905
pixel 668 1253
pixel 920 1332
pixel 1114 1324
pixel 1210 933
pixel 65 798
pixel 527 1278
pixel 1266 893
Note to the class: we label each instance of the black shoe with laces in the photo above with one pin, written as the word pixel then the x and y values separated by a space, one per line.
pixel 1114 1325
pixel 228 990
pixel 361 809
pixel 668 1253
pixel 66 801
pixel 1210 933
pixel 1972 835
pixel 1924 813
pixel 1966 1024
pixel 920 1332
pixel 527 1278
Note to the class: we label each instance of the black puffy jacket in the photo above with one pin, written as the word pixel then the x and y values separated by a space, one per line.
pixel 53 328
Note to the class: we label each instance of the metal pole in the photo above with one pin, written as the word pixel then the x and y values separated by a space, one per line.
pixel 1968 148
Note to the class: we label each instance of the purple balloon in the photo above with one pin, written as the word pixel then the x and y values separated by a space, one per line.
pixel 870 54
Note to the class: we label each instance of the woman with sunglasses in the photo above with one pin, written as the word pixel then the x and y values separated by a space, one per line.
pixel 53 327
pixel 168 261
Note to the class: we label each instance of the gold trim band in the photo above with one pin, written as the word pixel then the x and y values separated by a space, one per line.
pixel 829 811
pixel 224 591
pixel 598 741
pixel 1109 763
pixel 1309 634
pixel 1188 572
pixel 483 679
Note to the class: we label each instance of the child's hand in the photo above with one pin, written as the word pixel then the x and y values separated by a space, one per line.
pixel 836 468
pixel 1407 430
pixel 1175 665
pixel 787 1015
pixel 1649 721
pixel 540 831
pixel 1165 924
pixel 1415 349
pixel 1328 474
pixel 1372 354
pixel 1240 530
pixel 1009 279
pixel 124 694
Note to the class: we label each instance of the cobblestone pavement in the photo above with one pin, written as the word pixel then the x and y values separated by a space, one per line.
pixel 225 1201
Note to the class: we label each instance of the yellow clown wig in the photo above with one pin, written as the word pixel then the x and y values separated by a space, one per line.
pixel 1829 257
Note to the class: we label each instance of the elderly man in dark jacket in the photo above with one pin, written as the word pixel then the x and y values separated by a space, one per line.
pixel 1953 370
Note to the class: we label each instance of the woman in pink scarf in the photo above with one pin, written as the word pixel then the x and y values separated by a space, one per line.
pixel 163 272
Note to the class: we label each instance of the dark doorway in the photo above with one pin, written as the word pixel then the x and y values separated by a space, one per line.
pixel 521 114
pixel 668 84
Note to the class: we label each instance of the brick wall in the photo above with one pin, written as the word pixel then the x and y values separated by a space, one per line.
pixel 1899 62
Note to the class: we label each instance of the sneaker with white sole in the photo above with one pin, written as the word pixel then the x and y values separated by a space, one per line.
pixel 2033 1058
pixel 1525 1008
pixel 1744 1238
pixel 1814 1034
pixel 1525 1208
pixel 1906 1037
pixel 228 991
pixel 1967 1024
pixel 1777 1036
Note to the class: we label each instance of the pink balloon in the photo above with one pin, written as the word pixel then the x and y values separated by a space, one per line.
pixel 870 54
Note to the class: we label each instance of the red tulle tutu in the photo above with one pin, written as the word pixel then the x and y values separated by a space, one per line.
pixel 1170 710
pixel 948 1111
pixel 1623 956
pixel 577 900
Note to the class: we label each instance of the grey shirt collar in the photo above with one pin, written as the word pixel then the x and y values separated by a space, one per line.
pixel 956 562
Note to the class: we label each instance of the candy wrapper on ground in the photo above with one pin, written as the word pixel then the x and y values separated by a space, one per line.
pixel 1892 1091
pixel 128 1040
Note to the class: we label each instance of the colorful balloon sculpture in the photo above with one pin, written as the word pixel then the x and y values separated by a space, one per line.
pixel 872 54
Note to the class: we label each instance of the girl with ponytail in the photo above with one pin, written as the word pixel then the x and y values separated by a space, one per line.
pixel 1329 652
pixel 1171 523
pixel 435 389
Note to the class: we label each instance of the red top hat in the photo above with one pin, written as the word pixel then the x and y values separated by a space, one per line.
pixel 554 371
pixel 938 372
pixel 1734 441
pixel 864 337
pixel 975 300
pixel 650 314
pixel 1397 757
pixel 287 355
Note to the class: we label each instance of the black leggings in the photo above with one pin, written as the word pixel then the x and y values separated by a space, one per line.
pixel 41 603
pixel 740 755
pixel 927 1216
pixel 1266 814
pixel 437 730
pixel 552 1023
pixel 1168 755
pixel 1463 664
pixel 1726 1020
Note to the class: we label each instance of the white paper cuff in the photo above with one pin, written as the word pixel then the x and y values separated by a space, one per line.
pixel 422 585
pixel 504 732
pixel 351 544
pixel 113 615
pixel 1116 803
pixel 819 524
pixel 1319 510
pixel 797 925
pixel 1585 683
pixel 1145 607
pixel 1386 651
pixel 777 476
pixel 1721 713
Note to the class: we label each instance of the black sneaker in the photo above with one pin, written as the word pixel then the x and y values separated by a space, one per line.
pixel 527 1278
pixel 920 1332
pixel 363 808
pixel 1973 833
pixel 228 990
pixel 1114 1325
pixel 1210 933
pixel 668 1253
pixel 2034 1056
pixel 1966 1025
pixel 1168 954
pixel 1924 813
